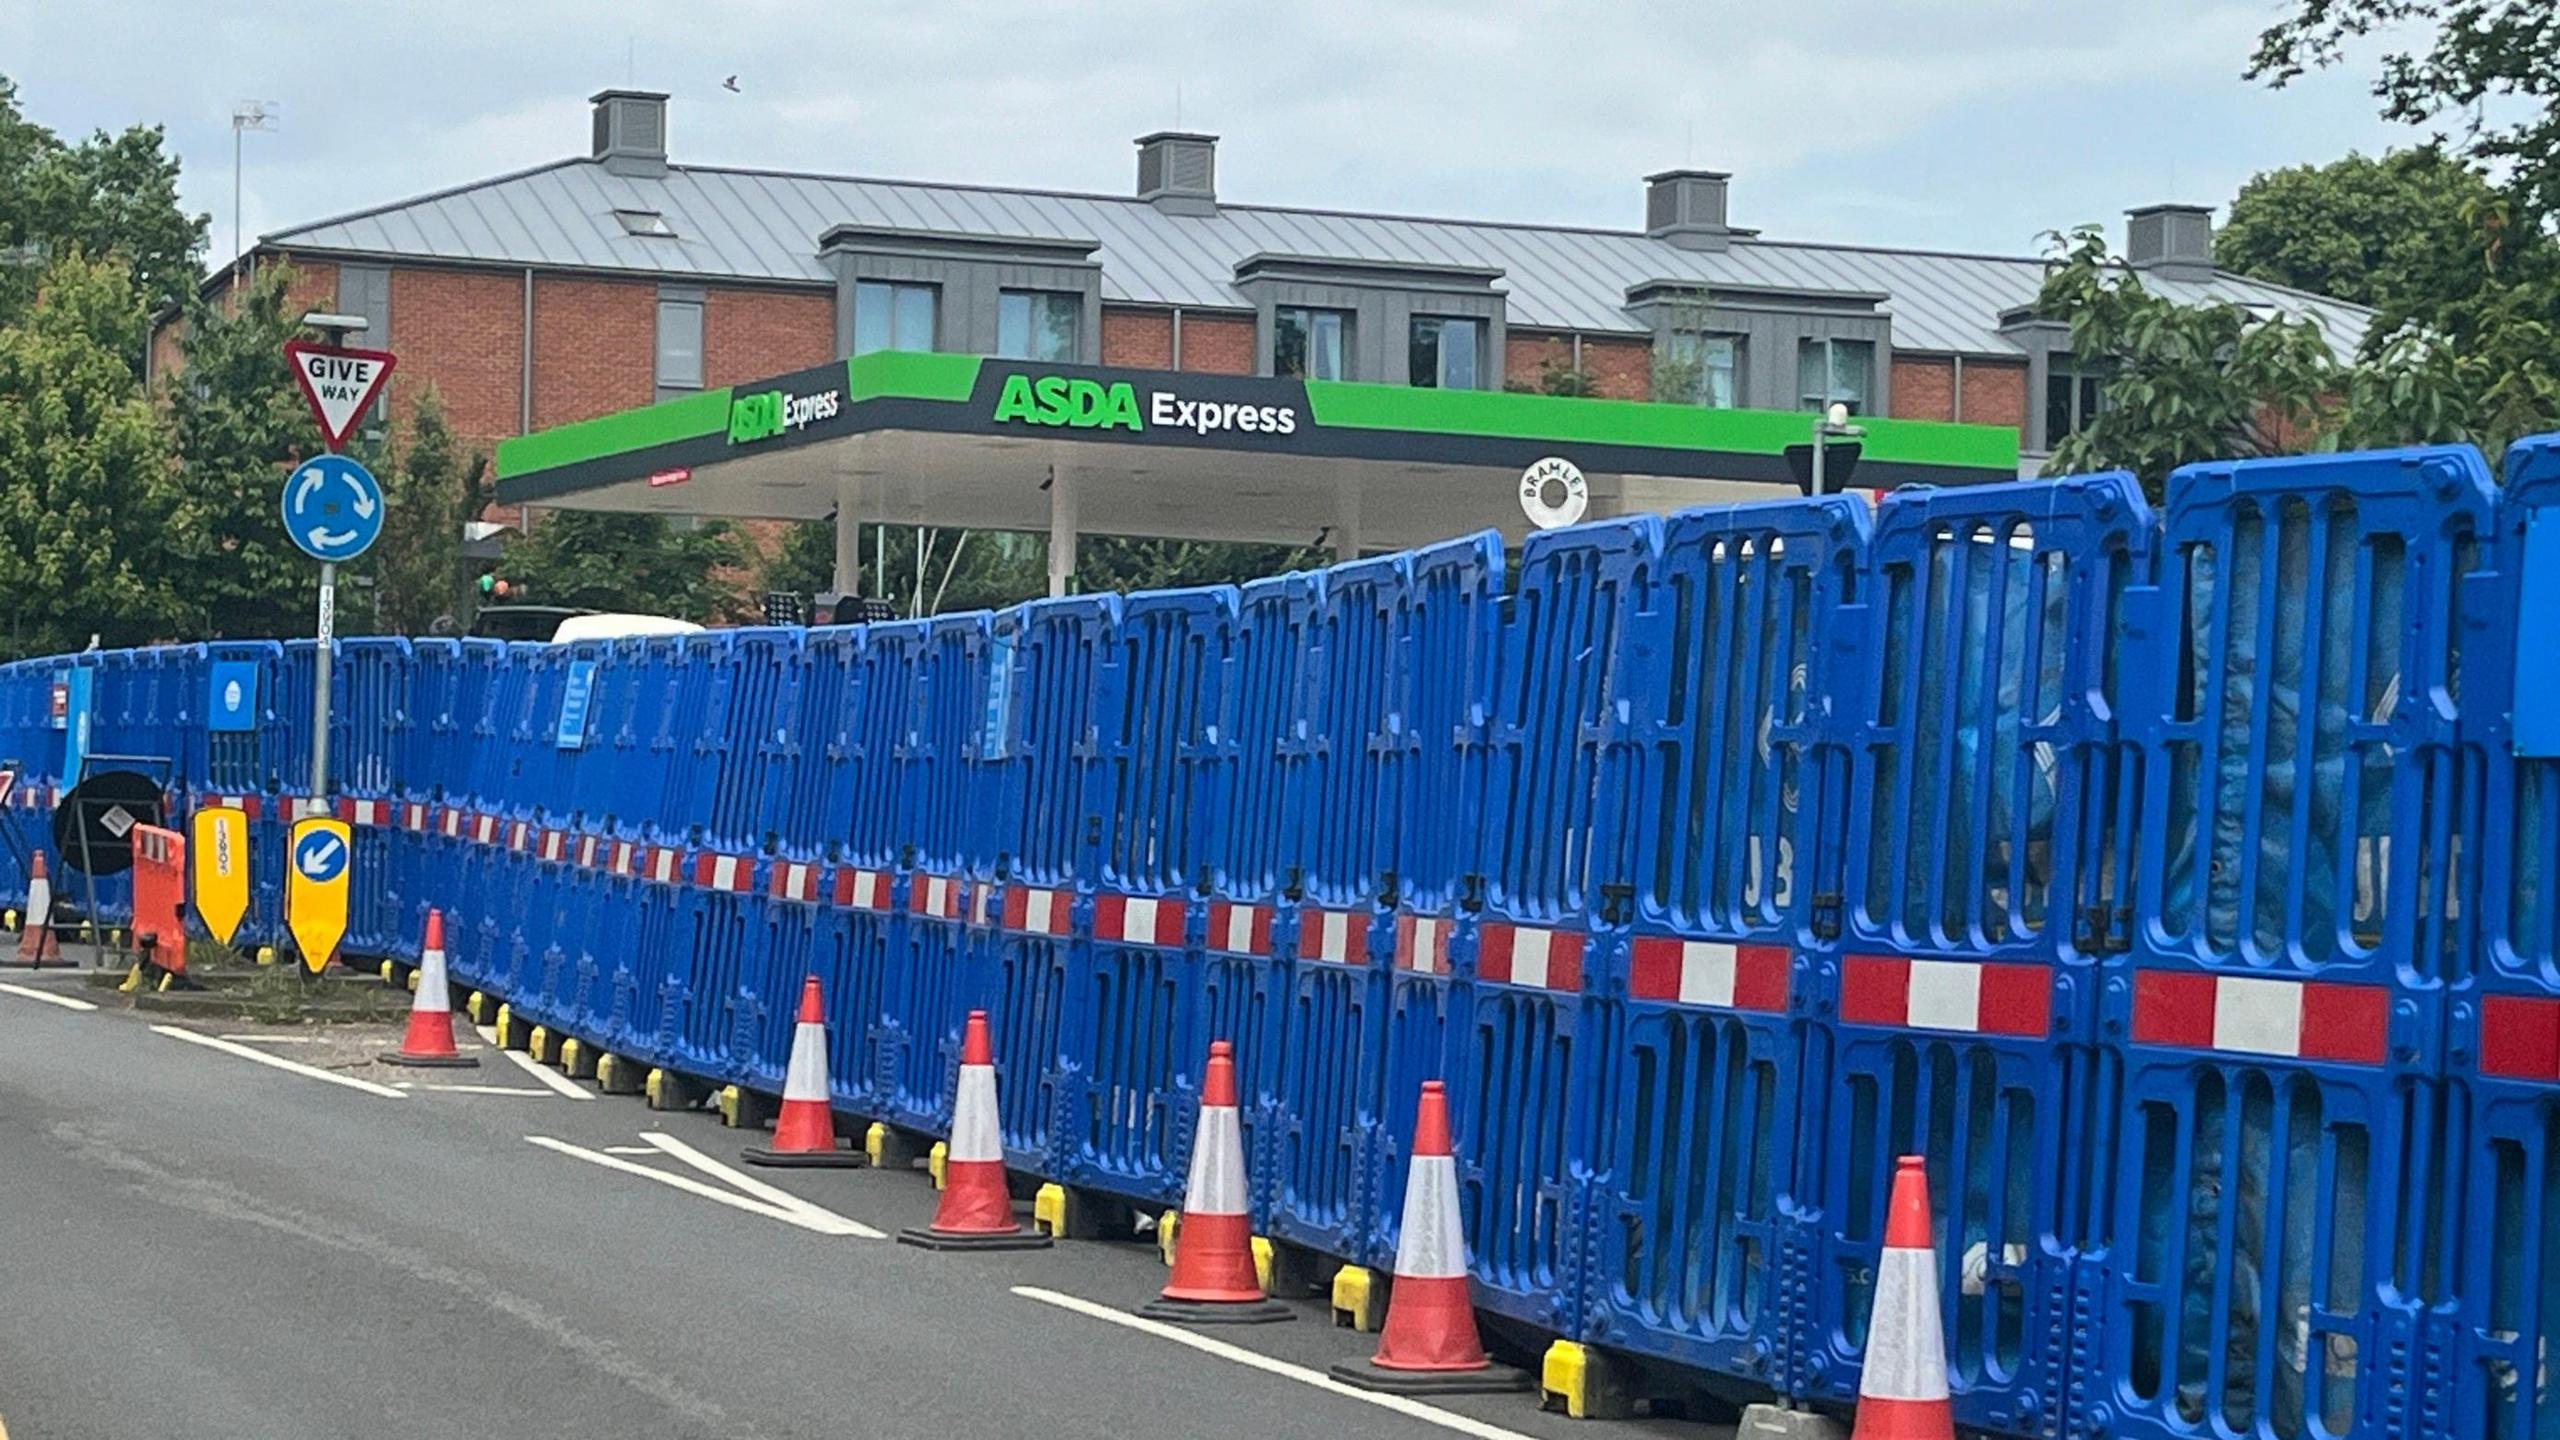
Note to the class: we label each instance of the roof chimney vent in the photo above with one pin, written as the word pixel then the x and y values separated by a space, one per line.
pixel 2174 242
pixel 631 131
pixel 1178 172
pixel 1686 207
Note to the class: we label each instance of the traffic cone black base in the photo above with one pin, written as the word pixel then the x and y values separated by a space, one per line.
pixel 1494 1380
pixel 1216 1312
pixel 434 1062
pixel 925 1237
pixel 805 1159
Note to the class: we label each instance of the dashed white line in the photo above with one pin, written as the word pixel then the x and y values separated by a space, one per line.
pixel 490 1090
pixel 806 1219
pixel 558 1083
pixel 278 1062
pixel 275 1039
pixel 1402 1405
pixel 773 1195
pixel 29 992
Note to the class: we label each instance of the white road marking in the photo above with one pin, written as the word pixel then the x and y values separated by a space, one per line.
pixel 770 1194
pixel 275 1039
pixel 1402 1405
pixel 558 1083
pixel 490 1090
pixel 67 1002
pixel 278 1062
pixel 692 1186
pixel 488 1035
pixel 631 1150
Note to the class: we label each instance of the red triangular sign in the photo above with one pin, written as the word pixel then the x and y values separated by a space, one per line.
pixel 340 382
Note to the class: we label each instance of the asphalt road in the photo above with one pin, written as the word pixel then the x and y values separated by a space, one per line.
pixel 196 1245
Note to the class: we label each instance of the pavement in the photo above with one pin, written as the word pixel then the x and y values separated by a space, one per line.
pixel 196 1243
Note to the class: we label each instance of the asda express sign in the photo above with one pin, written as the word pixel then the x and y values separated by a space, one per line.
pixel 1077 402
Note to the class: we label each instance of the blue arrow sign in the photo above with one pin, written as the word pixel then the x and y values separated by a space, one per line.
pixel 332 507
pixel 320 855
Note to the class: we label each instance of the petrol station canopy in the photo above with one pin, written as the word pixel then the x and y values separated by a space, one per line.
pixel 973 442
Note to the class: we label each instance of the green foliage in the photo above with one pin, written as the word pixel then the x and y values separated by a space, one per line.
pixel 1555 377
pixel 418 569
pixel 2490 67
pixel 2400 233
pixel 241 426
pixel 109 195
pixel 95 522
pixel 1125 563
pixel 637 563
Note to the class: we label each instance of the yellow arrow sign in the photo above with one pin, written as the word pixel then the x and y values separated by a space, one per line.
pixel 318 862
pixel 220 855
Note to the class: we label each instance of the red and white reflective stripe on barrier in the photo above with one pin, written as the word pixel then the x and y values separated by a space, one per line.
pixel 1530 955
pixel 519 836
pixel 413 817
pixel 934 896
pixel 1140 919
pixel 1338 937
pixel 2298 1019
pixel 1237 929
pixel 982 908
pixel 735 874
pixel 364 812
pixel 1975 997
pixel 555 844
pixel 626 859
pixel 587 847
pixel 32 795
pixel 1422 943
pixel 1708 972
pixel 662 864
pixel 1036 910
pixel 794 880
pixel 484 827
pixel 860 889
pixel 2520 1036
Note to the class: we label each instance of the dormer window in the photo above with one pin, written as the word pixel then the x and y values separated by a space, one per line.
pixel 648 223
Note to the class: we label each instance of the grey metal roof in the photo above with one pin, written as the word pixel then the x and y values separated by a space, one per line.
pixel 764 225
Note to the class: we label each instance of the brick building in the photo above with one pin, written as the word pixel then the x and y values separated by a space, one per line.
pixel 620 277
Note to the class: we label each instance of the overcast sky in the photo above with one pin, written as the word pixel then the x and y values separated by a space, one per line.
pixel 1954 124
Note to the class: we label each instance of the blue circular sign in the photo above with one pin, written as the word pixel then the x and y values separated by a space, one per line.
pixel 332 507
pixel 320 855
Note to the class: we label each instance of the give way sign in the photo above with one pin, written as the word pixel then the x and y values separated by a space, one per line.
pixel 339 381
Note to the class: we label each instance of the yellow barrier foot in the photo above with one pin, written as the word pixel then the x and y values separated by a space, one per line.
pixel 577 1059
pixel 620 1075
pixel 933 1162
pixel 132 980
pixel 891 1148
pixel 1291 1271
pixel 480 1007
pixel 1583 1383
pixel 1166 1224
pixel 266 954
pixel 166 980
pixel 1262 1256
pixel 1079 1215
pixel 9 920
pixel 385 972
pixel 668 1090
pixel 1359 1301
pixel 537 1044
pixel 743 1109
pixel 510 1034
pixel 410 981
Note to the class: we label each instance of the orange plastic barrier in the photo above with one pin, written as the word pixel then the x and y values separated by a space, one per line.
pixel 160 897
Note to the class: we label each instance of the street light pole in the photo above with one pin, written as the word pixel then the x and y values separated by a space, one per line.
pixel 336 328
pixel 246 116
pixel 1832 424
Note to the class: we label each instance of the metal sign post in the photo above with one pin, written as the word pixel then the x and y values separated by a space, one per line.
pixel 332 504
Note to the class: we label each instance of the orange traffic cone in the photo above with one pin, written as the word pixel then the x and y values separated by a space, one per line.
pixel 804 1134
pixel 1902 1393
pixel 1429 1344
pixel 976 1212
pixel 36 940
pixel 1213 1276
pixel 429 1040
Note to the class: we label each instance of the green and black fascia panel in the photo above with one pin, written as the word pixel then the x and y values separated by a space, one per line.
pixel 976 395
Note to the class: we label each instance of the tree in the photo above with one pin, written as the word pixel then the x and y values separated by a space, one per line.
pixel 241 426
pixel 1126 562
pixel 109 195
pixel 988 570
pixel 417 566
pixel 641 563
pixel 2492 66
pixel 2402 233
pixel 1555 377
pixel 96 525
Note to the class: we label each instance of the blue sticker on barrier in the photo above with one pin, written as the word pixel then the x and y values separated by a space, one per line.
pixel 75 745
pixel 999 694
pixel 2537 720
pixel 574 693
pixel 231 701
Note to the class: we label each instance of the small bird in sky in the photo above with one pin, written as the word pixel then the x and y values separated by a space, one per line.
pixel 731 85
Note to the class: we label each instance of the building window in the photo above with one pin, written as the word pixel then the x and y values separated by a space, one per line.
pixel 1836 371
pixel 888 316
pixel 1707 367
pixel 2072 398
pixel 1442 353
pixel 1037 325
pixel 679 345
pixel 1307 342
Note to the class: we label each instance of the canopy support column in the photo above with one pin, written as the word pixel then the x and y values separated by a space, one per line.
pixel 1062 529
pixel 848 577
